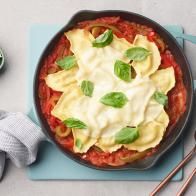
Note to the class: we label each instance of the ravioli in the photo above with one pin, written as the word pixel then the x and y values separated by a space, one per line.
pixel 152 62
pixel 103 122
pixel 153 110
pixel 64 105
pixel 164 79
pixel 107 144
pixel 96 62
pixel 151 133
pixel 60 80
pixel 85 140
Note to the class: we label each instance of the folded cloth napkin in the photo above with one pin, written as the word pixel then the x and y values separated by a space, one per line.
pixel 19 139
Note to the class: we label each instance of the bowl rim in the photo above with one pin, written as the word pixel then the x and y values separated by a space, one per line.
pixel 2 57
pixel 45 125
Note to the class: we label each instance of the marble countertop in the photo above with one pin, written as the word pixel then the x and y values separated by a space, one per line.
pixel 16 18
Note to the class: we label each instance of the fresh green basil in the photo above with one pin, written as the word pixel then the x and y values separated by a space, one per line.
pixel 87 88
pixel 75 123
pixel 137 53
pixel 103 40
pixel 114 99
pixel 160 98
pixel 122 70
pixel 126 135
pixel 67 62
pixel 79 143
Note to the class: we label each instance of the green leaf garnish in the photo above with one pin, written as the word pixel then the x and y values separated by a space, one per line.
pixel 126 135
pixel 78 143
pixel 103 40
pixel 122 70
pixel 160 98
pixel 114 99
pixel 137 53
pixel 75 123
pixel 67 62
pixel 87 87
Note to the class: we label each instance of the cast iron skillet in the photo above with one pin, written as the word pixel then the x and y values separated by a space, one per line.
pixel 176 51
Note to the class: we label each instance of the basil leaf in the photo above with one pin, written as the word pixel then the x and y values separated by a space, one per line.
pixel 160 98
pixel 87 87
pixel 103 40
pixel 126 135
pixel 137 53
pixel 122 70
pixel 67 62
pixel 75 123
pixel 114 99
pixel 78 143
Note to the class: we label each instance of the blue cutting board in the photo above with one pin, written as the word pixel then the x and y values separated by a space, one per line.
pixel 51 164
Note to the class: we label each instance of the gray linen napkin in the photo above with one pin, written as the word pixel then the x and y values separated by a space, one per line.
pixel 19 139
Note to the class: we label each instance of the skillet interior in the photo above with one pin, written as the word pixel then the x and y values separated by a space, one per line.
pixel 178 55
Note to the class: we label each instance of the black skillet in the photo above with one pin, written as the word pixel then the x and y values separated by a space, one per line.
pixel 180 58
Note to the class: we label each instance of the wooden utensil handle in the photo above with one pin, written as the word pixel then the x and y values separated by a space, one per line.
pixel 186 184
pixel 174 171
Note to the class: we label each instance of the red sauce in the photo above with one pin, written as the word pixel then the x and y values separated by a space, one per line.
pixel 127 30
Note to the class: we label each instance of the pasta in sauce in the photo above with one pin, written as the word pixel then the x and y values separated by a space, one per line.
pixel 49 97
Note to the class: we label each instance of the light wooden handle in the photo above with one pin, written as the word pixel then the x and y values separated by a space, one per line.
pixel 174 171
pixel 186 184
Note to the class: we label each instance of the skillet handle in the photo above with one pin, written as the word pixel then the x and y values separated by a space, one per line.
pixel 190 38
pixel 174 171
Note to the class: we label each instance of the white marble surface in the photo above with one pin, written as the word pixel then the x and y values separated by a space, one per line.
pixel 16 17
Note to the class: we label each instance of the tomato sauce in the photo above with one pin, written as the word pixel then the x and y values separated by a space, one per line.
pixel 122 29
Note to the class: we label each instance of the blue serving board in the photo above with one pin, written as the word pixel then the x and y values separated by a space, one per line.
pixel 51 164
